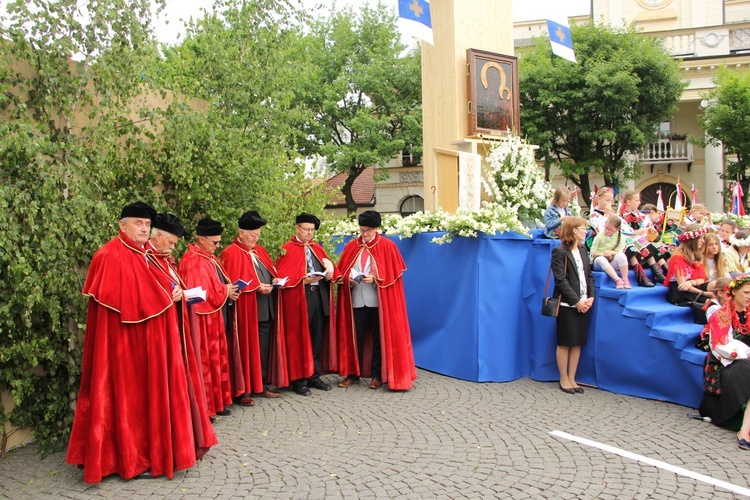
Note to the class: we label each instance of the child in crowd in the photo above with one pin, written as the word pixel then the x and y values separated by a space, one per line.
pixel 606 252
pixel 557 213
pixel 736 256
pixel 727 228
pixel 686 277
pixel 598 217
pixel 721 296
pixel 713 257
pixel 638 249
pixel 698 215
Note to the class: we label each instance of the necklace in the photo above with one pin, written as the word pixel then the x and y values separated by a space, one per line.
pixel 740 323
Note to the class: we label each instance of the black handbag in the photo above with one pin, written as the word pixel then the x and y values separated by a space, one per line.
pixel 551 305
pixel 698 307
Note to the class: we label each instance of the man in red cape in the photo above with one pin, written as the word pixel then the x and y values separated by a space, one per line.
pixel 259 323
pixel 308 304
pixel 165 232
pixel 371 316
pixel 133 413
pixel 199 267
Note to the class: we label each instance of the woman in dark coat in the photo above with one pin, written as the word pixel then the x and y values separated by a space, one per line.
pixel 573 280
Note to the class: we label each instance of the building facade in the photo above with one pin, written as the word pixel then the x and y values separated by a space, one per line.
pixel 703 35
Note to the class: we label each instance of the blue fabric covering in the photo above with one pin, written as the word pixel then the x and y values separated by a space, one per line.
pixel 474 309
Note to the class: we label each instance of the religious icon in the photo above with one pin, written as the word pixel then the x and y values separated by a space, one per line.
pixel 493 93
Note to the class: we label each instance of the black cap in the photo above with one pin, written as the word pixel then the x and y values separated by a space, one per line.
pixel 251 220
pixel 169 223
pixel 208 227
pixel 369 218
pixel 138 210
pixel 309 218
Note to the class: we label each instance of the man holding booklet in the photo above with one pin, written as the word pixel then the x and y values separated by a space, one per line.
pixel 308 304
pixel 259 327
pixel 220 354
pixel 132 414
pixel 373 328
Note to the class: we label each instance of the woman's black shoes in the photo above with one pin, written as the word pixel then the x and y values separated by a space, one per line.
pixel 567 391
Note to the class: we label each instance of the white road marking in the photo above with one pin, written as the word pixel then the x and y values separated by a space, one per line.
pixel 656 463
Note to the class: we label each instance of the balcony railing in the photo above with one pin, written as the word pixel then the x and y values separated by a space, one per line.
pixel 667 151
pixel 706 40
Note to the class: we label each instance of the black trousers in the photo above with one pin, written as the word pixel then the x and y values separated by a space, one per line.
pixel 264 335
pixel 316 321
pixel 367 318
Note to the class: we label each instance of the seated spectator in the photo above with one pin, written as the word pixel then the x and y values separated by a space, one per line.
pixel 698 215
pixel 598 217
pixel 727 228
pixel 557 213
pixel 721 292
pixel 638 248
pixel 713 258
pixel 726 386
pixel 686 277
pixel 735 257
pixel 606 252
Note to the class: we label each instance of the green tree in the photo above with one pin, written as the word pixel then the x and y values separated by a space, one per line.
pixel 240 59
pixel 727 122
pixel 62 138
pixel 588 117
pixel 365 95
pixel 85 127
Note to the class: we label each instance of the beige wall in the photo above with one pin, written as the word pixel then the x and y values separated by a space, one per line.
pixel 458 25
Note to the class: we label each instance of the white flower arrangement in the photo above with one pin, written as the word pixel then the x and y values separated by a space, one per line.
pixel 513 178
pixel 514 183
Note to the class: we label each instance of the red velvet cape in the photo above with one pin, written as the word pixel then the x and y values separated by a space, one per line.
pixel 239 265
pixel 205 437
pixel 293 263
pixel 199 268
pixel 132 413
pixel 397 369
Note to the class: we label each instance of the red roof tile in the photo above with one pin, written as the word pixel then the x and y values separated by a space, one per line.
pixel 363 189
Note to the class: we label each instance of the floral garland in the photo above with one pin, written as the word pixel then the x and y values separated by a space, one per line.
pixel 739 242
pixel 691 235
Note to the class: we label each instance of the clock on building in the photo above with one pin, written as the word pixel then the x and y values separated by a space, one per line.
pixel 653 4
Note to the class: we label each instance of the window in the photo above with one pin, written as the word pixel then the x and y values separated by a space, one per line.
pixel 411 205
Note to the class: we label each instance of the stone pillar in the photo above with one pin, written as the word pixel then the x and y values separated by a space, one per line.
pixel 457 25
pixel 714 200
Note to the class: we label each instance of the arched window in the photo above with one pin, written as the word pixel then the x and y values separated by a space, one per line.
pixel 411 205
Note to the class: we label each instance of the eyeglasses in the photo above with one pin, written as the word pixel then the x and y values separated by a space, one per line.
pixel 581 227
pixel 215 243
pixel 306 229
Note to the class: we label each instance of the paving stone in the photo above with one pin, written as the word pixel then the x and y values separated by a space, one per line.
pixel 446 438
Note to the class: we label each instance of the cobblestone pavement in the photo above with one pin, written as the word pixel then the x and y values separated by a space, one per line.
pixel 446 438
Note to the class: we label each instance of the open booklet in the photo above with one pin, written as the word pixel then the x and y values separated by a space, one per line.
pixel 357 276
pixel 194 295
pixel 315 274
pixel 241 284
pixel 281 282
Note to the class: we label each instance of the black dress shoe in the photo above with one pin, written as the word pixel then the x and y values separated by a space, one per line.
pixel 303 391
pixel 567 391
pixel 224 413
pixel 579 390
pixel 318 384
pixel 144 475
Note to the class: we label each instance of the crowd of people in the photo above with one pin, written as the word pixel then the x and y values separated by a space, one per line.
pixel 170 347
pixel 709 260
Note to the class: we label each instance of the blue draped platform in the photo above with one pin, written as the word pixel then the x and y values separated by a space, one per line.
pixel 474 310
